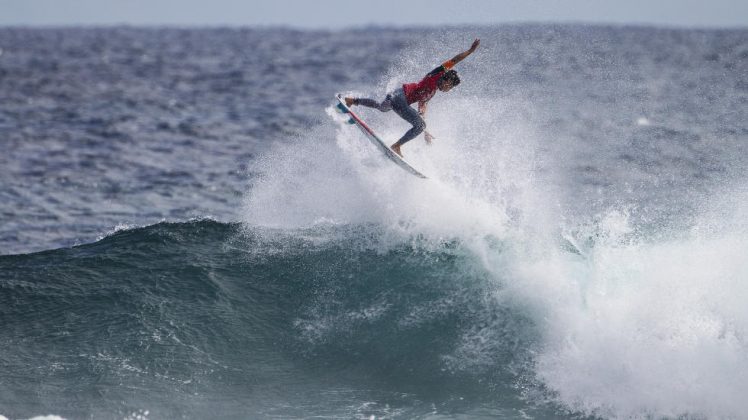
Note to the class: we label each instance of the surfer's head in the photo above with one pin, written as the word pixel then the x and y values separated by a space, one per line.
pixel 448 80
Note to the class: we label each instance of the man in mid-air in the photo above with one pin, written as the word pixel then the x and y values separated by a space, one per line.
pixel 442 78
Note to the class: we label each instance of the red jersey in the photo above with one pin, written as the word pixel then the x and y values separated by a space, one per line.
pixel 426 88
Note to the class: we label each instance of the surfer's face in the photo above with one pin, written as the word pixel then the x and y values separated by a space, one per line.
pixel 445 85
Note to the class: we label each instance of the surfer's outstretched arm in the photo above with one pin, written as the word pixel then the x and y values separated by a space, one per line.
pixel 461 56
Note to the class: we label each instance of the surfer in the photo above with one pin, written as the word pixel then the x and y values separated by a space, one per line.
pixel 442 78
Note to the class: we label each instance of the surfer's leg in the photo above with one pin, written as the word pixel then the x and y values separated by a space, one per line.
pixel 406 112
pixel 383 106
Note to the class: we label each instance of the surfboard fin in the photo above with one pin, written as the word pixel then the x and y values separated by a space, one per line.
pixel 343 110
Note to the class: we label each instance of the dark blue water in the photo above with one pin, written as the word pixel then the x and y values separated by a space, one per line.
pixel 187 229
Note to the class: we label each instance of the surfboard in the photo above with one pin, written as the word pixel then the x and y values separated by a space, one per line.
pixel 369 133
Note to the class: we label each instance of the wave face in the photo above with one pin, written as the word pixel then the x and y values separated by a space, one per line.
pixel 211 319
pixel 578 251
pixel 208 319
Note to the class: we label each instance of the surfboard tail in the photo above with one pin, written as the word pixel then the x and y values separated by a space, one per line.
pixel 344 110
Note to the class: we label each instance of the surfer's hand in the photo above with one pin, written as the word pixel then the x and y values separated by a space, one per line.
pixel 428 137
pixel 475 45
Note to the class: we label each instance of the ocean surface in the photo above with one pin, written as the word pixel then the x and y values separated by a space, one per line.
pixel 188 229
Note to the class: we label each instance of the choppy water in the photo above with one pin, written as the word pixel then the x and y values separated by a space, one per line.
pixel 186 232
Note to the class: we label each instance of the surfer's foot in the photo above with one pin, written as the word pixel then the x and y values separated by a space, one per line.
pixel 349 101
pixel 396 148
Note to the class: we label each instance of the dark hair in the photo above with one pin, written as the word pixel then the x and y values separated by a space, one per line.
pixel 451 77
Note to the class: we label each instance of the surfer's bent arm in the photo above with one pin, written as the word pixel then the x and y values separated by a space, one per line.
pixel 422 113
pixel 422 108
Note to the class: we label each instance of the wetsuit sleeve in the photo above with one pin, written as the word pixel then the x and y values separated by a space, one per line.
pixel 435 71
pixel 447 65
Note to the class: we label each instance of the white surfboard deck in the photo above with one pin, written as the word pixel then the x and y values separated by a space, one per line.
pixel 389 153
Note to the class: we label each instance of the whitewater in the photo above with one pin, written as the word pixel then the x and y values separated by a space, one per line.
pixel 578 251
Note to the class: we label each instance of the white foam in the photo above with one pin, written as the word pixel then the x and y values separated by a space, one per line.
pixel 642 329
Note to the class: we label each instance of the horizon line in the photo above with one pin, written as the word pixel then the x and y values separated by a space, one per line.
pixel 369 26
